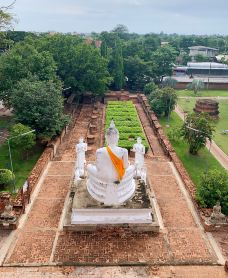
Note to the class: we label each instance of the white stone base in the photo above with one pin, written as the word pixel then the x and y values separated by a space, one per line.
pixel 111 194
pixel 111 216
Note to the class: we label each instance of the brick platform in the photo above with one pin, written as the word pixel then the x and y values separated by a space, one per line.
pixel 42 241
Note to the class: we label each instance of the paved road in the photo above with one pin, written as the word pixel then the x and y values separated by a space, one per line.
pixel 217 98
pixel 213 147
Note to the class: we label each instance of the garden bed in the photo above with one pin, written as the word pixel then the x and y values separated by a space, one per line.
pixel 127 122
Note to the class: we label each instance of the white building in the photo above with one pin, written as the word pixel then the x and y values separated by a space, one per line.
pixel 202 50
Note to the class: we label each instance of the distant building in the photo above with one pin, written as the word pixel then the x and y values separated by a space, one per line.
pixel 207 68
pixel 164 43
pixel 202 69
pixel 97 43
pixel 202 50
pixel 52 33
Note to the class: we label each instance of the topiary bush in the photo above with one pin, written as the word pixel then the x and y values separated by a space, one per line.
pixel 213 187
pixel 6 177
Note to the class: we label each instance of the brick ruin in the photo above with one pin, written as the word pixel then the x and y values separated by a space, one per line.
pixel 209 106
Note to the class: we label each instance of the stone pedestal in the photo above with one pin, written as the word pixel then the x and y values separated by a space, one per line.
pixel 83 213
pixel 93 129
pixel 94 119
pixel 89 150
pixel 90 139
pixel 95 112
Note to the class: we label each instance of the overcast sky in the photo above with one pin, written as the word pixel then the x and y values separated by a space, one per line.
pixel 141 16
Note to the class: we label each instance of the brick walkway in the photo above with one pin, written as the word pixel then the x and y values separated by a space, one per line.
pixel 41 240
pixel 3 236
pixel 115 272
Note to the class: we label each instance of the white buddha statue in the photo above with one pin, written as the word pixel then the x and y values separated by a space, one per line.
pixel 80 148
pixel 110 179
pixel 139 150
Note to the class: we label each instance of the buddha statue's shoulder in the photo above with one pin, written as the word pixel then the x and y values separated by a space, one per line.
pixel 119 150
pixel 101 150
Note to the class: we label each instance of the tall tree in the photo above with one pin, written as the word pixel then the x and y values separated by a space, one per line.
pixel 117 67
pixel 104 49
pixel 25 142
pixel 6 21
pixel 80 66
pixel 163 101
pixel 196 85
pixel 20 62
pixel 138 73
pixel 163 58
pixel 122 31
pixel 5 17
pixel 39 105
pixel 196 130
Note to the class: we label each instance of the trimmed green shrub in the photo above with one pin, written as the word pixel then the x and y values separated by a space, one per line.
pixel 6 177
pixel 212 188
pixel 127 122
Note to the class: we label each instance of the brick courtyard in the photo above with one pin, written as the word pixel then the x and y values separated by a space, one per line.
pixel 41 240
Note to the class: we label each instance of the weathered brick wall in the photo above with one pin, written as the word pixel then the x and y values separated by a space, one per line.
pixel 120 96
pixel 166 145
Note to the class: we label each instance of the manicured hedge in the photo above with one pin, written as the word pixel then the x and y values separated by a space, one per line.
pixel 127 122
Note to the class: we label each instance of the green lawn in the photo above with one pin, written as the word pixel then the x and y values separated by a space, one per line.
pixel 221 124
pixel 204 93
pixel 195 165
pixel 22 167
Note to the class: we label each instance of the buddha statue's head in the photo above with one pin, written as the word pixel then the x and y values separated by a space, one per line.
pixel 112 134
pixel 139 140
pixel 81 140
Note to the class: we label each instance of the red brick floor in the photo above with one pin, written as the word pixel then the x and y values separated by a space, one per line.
pixel 42 241
pixel 111 247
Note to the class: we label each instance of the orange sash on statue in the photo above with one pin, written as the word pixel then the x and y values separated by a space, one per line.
pixel 117 162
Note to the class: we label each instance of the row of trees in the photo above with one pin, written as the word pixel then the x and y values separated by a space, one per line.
pixel 34 72
pixel 135 60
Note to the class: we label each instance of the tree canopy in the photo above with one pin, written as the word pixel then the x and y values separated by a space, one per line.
pixel 22 61
pixel 196 129
pixel 163 101
pixel 5 17
pixel 79 65
pixel 39 105
pixel 22 137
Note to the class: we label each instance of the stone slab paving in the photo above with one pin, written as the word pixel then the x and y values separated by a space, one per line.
pixel 41 240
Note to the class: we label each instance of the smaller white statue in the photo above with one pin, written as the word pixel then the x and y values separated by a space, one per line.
pixel 81 148
pixel 139 150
